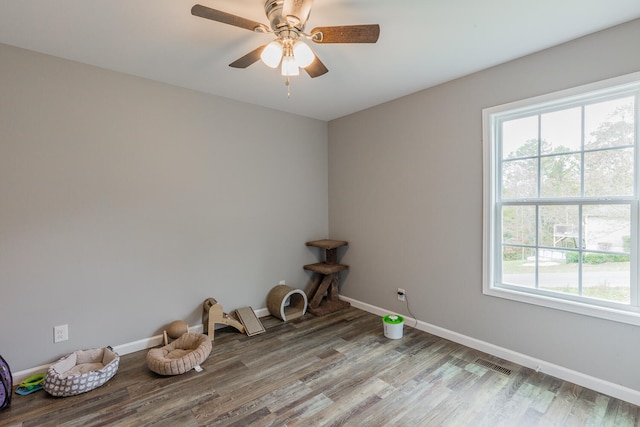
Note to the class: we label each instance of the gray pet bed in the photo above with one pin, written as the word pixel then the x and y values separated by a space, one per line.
pixel 81 371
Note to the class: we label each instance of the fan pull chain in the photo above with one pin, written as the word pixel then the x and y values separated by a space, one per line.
pixel 288 85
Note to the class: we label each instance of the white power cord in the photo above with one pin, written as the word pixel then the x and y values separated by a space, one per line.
pixel 406 300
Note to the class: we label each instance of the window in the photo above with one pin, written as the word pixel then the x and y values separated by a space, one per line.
pixel 561 200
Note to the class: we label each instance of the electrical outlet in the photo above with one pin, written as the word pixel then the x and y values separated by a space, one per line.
pixel 60 333
pixel 401 294
pixel 283 282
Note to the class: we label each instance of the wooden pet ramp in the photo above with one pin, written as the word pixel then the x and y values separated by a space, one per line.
pixel 214 313
pixel 250 321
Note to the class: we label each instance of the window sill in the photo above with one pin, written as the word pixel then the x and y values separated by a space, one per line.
pixel 607 313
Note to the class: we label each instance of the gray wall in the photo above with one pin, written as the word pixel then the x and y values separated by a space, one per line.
pixel 405 186
pixel 124 203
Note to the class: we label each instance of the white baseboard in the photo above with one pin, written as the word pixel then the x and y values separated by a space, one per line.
pixel 122 349
pixel 262 312
pixel 615 390
pixel 20 376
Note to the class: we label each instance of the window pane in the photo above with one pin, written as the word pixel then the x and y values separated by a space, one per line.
pixel 562 130
pixel 518 266
pixel 520 179
pixel 559 275
pixel 560 176
pixel 520 138
pixel 519 225
pixel 607 227
pixel 606 277
pixel 559 226
pixel 610 123
pixel 608 172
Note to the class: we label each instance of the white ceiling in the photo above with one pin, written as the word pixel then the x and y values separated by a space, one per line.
pixel 422 43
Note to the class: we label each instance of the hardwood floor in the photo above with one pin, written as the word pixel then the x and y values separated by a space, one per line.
pixel 329 371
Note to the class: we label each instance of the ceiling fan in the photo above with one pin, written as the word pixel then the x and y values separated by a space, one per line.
pixel 287 19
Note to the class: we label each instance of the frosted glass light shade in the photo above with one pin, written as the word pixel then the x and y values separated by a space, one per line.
pixel 303 54
pixel 271 54
pixel 290 66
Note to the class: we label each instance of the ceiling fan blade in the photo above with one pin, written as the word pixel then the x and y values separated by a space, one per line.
pixel 316 68
pixel 248 59
pixel 226 18
pixel 346 34
pixel 296 12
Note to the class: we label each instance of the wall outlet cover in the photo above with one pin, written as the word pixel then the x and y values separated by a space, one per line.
pixel 60 333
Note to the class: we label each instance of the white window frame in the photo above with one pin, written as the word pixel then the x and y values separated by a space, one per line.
pixel 492 239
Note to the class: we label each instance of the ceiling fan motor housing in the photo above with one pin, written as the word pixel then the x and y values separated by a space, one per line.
pixel 277 20
pixel 273 9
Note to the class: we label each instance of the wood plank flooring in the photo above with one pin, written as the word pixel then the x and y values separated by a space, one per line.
pixel 335 370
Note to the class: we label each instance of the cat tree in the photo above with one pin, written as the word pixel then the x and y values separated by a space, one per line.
pixel 323 292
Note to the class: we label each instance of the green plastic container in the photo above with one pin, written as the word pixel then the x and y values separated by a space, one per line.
pixel 393 326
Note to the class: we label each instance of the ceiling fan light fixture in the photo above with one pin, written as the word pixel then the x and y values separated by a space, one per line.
pixel 303 54
pixel 271 54
pixel 290 66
